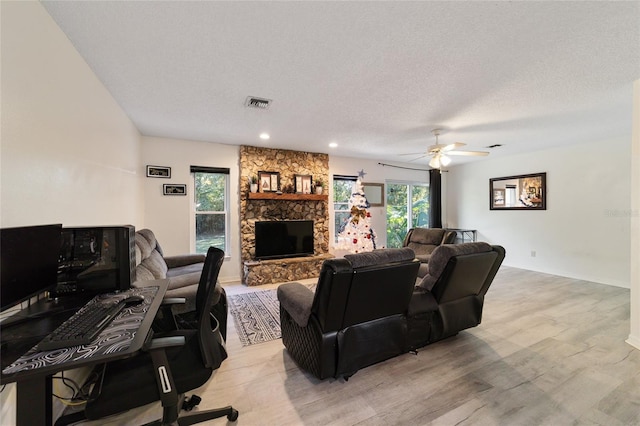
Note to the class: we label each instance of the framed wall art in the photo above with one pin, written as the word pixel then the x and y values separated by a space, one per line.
pixel 268 181
pixel 303 184
pixel 374 193
pixel 174 189
pixel 158 171
pixel 521 192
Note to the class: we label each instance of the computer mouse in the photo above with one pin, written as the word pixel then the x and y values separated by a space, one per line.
pixel 133 300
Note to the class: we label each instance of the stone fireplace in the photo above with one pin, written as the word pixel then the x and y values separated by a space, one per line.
pixel 285 206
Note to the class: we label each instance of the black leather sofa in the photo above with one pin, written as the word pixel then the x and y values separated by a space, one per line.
pixel 355 318
pixel 450 298
pixel 367 308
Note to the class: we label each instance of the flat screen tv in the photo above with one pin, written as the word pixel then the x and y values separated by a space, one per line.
pixel 29 262
pixel 284 238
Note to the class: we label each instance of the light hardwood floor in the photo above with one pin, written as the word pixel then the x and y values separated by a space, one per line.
pixel 550 351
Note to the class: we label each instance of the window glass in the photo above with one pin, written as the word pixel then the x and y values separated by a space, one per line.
pixel 342 188
pixel 407 207
pixel 211 215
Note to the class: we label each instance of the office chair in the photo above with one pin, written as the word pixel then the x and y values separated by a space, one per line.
pixel 175 363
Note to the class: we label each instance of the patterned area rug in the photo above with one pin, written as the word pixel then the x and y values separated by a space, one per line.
pixel 257 315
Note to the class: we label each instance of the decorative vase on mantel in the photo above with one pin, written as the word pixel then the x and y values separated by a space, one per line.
pixel 319 190
pixel 253 184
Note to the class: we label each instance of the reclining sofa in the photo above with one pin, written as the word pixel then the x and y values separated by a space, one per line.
pixel 450 297
pixel 367 307
pixel 183 272
pixel 423 241
pixel 356 317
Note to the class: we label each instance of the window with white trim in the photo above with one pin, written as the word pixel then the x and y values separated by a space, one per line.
pixel 342 189
pixel 211 208
pixel 407 207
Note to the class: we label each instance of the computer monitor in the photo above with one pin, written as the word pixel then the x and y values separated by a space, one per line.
pixel 29 262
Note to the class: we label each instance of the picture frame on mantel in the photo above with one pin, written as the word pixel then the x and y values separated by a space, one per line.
pixel 303 184
pixel 268 181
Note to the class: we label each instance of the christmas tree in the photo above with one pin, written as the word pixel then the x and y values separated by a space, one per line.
pixel 357 235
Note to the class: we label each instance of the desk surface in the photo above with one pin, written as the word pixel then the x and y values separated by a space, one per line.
pixel 123 337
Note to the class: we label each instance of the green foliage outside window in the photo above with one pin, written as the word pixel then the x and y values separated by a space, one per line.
pixel 341 194
pixel 398 207
pixel 210 196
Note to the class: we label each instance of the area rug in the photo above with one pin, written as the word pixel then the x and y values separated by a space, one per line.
pixel 256 315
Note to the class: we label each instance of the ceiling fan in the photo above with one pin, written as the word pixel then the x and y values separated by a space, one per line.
pixel 440 153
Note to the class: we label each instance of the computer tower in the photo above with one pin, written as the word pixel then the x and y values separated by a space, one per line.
pixel 96 259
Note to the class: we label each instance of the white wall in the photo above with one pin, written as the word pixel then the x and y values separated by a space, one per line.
pixel 170 217
pixel 634 335
pixel 585 231
pixel 68 153
pixel 375 173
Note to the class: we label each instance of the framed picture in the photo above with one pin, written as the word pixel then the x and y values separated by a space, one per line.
pixel 174 189
pixel 268 181
pixel 158 171
pixel 374 193
pixel 521 192
pixel 303 184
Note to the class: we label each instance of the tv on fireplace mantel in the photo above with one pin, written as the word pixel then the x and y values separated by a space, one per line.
pixel 283 238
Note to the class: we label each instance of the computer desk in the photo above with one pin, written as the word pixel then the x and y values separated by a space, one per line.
pixel 124 337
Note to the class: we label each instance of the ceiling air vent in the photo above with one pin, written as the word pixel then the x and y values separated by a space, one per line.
pixel 497 145
pixel 260 103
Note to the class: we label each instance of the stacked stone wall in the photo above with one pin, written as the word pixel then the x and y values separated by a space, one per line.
pixel 288 164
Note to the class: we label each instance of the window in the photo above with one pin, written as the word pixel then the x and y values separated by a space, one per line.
pixel 407 207
pixel 211 189
pixel 342 189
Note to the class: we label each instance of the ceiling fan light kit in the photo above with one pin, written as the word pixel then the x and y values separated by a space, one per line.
pixel 440 153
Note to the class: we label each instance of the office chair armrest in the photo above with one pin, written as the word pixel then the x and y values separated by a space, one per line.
pixel 174 301
pixel 296 299
pixel 167 342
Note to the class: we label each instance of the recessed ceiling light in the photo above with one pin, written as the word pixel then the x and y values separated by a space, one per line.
pixel 264 136
pixel 333 145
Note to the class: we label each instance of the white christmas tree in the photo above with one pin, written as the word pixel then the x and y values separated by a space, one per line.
pixel 357 235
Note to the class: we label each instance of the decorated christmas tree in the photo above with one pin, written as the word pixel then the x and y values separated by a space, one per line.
pixel 357 235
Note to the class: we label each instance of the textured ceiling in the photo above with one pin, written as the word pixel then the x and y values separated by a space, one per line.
pixel 375 77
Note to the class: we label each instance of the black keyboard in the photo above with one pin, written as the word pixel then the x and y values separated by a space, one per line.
pixel 82 327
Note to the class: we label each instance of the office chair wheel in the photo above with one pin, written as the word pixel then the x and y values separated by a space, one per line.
pixel 233 416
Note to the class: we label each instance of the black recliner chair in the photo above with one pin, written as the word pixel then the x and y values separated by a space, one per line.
pixel 188 356
pixel 450 298
pixel 357 316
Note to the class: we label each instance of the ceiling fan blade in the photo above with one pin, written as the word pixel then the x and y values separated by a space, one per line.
pixel 415 153
pixel 471 153
pixel 456 145
pixel 416 159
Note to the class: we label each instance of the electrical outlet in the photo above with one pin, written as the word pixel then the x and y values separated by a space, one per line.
pixel 533 253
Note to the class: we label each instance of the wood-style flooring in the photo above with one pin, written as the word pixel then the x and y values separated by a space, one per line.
pixel 550 351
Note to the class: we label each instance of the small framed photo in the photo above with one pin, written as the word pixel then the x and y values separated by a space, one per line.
pixel 374 192
pixel 303 184
pixel 158 171
pixel 269 181
pixel 174 189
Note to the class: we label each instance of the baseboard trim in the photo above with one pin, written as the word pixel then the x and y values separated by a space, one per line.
pixel 634 341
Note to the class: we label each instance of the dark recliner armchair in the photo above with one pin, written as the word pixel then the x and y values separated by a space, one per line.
pixel 450 297
pixel 357 316
pixel 423 241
